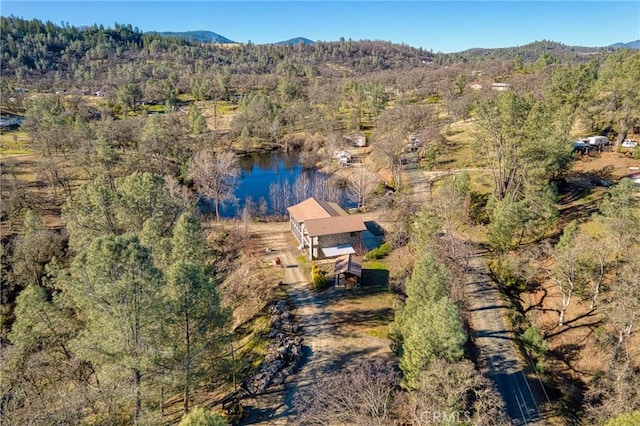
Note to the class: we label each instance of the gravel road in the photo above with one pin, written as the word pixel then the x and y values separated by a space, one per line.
pixel 326 348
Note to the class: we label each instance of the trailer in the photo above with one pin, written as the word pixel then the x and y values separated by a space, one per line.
pixel 598 141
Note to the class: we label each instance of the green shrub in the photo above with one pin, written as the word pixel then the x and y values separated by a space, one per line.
pixel 319 280
pixel 534 341
pixel 478 208
pixel 602 337
pixel 636 153
pixel 504 271
pixel 431 158
pixel 379 252
pixel 201 417
pixel 625 419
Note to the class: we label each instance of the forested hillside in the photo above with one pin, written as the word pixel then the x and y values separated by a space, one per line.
pixel 127 299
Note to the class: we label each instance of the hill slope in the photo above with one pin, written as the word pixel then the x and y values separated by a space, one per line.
pixel 296 40
pixel 200 36
pixel 532 51
pixel 631 45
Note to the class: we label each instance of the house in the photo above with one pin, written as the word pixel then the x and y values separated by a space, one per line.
pixel 358 139
pixel 323 229
pixel 347 271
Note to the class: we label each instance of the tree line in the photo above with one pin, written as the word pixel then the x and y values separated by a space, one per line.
pixel 120 307
pixel 132 319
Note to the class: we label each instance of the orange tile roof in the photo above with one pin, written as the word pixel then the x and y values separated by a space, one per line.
pixel 325 218
pixel 314 209
pixel 334 225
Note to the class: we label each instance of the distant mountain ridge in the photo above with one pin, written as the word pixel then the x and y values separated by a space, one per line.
pixel 203 36
pixel 532 51
pixel 296 40
pixel 631 45
pixel 199 36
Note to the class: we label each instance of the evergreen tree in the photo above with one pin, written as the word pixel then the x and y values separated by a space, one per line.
pixel 117 293
pixel 193 325
pixel 197 122
pixel 428 325
pixel 194 320
pixel 105 207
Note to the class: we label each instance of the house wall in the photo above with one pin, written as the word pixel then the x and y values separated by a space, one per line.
pixel 312 245
pixel 295 229
pixel 299 232
pixel 334 240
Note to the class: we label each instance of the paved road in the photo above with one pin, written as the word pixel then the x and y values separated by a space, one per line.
pixel 497 353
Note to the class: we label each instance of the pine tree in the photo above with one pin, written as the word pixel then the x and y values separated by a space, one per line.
pixel 428 325
pixel 116 290
pixel 194 321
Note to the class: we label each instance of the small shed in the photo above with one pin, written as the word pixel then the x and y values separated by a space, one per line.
pixel 358 139
pixel 343 157
pixel 347 271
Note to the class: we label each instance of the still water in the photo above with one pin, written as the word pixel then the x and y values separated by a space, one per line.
pixel 259 172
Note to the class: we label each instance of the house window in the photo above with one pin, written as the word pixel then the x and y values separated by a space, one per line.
pixel 353 234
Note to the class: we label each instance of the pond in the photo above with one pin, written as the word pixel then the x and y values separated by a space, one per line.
pixel 271 182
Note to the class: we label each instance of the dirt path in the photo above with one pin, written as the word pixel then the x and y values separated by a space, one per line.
pixel 422 181
pixel 327 346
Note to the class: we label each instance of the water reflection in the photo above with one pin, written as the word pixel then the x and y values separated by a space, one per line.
pixel 268 182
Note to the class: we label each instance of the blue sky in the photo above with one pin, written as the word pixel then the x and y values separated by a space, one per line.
pixel 442 26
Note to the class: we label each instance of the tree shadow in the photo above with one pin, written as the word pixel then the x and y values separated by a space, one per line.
pixel 571 325
pixel 345 322
pixel 539 305
pixel 375 228
pixel 373 281
pixel 570 194
pixel 567 354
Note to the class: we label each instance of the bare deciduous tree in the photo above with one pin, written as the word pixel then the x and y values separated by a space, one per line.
pixel 280 197
pixel 623 312
pixel 361 184
pixel 597 263
pixel 360 395
pixel 566 273
pixel 216 176
pixel 453 392
pixel 617 393
pixel 394 130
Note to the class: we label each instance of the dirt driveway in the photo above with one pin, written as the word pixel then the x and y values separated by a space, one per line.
pixel 333 323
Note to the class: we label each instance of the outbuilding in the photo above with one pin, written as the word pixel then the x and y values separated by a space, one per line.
pixel 347 271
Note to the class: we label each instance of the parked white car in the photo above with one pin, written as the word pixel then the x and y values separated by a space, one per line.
pixel 627 143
